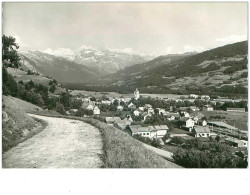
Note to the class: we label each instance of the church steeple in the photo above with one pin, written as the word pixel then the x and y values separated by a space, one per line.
pixel 137 94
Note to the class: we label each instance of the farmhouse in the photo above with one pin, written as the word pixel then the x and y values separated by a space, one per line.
pixel 162 111
pixel 106 102
pixel 151 111
pixel 90 107
pixel 208 108
pixel 236 109
pixel 139 130
pixel 96 111
pixel 131 106
pixel 187 123
pixel 202 122
pixel 158 131
pixel 199 131
pixel 194 108
pixel 193 96
pixel 236 142
pixel 136 113
pixel 119 108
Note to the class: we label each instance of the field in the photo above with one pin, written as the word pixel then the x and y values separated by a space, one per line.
pixel 237 119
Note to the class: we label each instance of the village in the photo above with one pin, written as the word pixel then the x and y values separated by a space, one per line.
pixel 167 120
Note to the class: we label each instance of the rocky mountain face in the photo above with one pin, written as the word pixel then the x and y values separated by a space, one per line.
pixel 56 67
pixel 107 61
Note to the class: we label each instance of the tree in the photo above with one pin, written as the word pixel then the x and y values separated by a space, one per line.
pixel 10 58
pixel 52 89
pixel 60 108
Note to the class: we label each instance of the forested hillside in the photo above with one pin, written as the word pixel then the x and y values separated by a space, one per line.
pixel 220 70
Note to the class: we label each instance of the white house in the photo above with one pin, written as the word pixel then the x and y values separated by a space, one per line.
pixel 141 109
pixel 199 131
pixel 147 106
pixel 205 97
pixel 162 111
pixel 106 102
pixel 201 122
pixel 193 96
pixel 132 106
pixel 139 130
pixel 90 107
pixel 119 108
pixel 187 123
pixel 96 111
pixel 151 111
pixel 208 108
pixel 186 114
pixel 158 131
pixel 136 113
pixel 194 108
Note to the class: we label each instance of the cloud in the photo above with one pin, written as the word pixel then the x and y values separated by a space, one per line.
pixel 59 51
pixel 232 38
pixel 22 45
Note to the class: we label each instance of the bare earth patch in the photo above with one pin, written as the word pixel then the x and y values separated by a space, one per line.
pixel 64 143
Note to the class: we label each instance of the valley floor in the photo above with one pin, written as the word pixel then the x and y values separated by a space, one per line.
pixel 64 143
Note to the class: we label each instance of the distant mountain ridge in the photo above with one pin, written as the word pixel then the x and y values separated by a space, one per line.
pixel 106 61
pixel 56 67
pixel 212 70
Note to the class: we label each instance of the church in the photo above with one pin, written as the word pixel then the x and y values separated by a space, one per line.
pixel 136 94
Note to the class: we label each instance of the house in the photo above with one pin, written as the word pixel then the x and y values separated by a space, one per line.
pixel 202 122
pixel 175 115
pixel 162 111
pixel 194 96
pixel 96 111
pixel 199 131
pixel 146 115
pixel 151 111
pixel 194 108
pixel 170 118
pixel 186 123
pixel 106 102
pixel 136 113
pixel 236 109
pixel 186 114
pixel 236 142
pixel 127 100
pixel 131 106
pixel 158 131
pixel 139 130
pixel 147 106
pixel 141 109
pixel 128 117
pixel 208 108
pixel 119 108
pixel 205 97
pixel 90 107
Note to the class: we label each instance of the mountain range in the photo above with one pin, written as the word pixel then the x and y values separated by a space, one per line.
pixel 114 70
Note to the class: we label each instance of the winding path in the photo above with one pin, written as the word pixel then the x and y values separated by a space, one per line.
pixel 64 143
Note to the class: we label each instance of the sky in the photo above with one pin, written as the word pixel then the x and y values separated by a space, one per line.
pixel 146 28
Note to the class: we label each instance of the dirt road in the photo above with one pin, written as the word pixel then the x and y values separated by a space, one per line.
pixel 64 143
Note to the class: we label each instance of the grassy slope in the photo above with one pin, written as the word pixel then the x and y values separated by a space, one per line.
pixel 121 150
pixel 17 125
